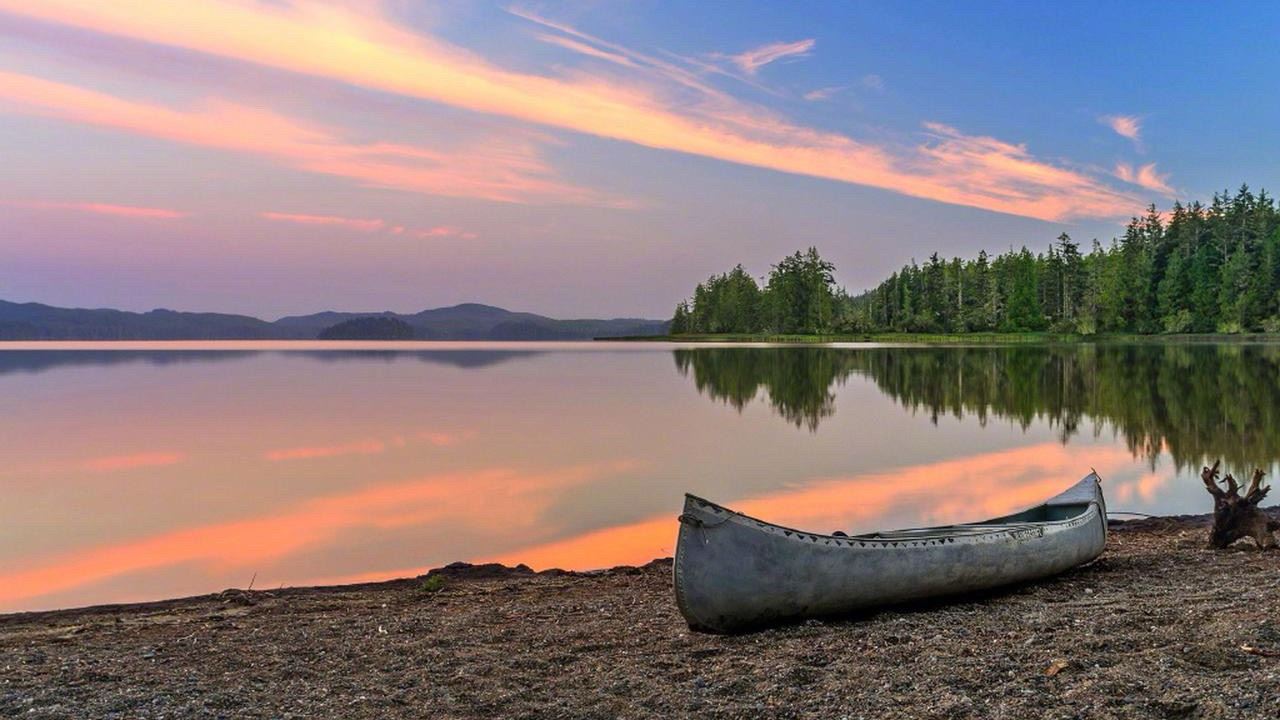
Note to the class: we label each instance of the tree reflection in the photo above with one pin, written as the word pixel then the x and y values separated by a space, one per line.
pixel 1197 400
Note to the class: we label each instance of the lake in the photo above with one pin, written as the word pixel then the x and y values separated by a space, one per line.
pixel 138 471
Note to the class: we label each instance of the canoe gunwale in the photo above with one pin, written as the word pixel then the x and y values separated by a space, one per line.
pixel 944 533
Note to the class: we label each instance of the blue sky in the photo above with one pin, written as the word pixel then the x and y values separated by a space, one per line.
pixel 591 158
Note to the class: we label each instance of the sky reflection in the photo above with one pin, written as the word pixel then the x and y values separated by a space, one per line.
pixel 147 477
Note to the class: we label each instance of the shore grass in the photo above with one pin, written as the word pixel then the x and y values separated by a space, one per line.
pixel 1031 338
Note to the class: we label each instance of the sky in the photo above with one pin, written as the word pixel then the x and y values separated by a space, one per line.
pixel 594 158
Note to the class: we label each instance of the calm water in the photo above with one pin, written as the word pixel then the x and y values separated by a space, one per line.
pixel 138 473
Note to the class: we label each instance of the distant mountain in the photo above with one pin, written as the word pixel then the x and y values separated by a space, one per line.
pixel 369 328
pixel 469 321
pixel 33 321
pixel 473 321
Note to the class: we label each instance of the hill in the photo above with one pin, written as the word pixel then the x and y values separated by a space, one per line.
pixel 369 328
pixel 469 321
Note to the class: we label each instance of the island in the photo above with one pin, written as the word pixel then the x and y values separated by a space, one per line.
pixel 368 328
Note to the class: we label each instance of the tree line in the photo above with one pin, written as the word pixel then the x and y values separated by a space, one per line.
pixel 1196 269
pixel 798 296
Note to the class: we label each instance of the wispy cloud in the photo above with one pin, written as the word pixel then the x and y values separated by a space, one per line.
pixel 821 94
pixel 128 211
pixel 363 225
pixel 870 82
pixel 504 169
pixel 1126 126
pixel 584 49
pixel 446 231
pixel 113 463
pixel 362 447
pixel 1145 176
pixel 369 225
pixel 332 42
pixel 752 60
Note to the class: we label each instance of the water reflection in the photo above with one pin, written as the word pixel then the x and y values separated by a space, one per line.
pixel 1195 401
pixel 797 381
pixel 146 473
pixel 35 361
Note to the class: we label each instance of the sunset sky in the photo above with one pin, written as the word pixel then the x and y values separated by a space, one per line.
pixel 591 158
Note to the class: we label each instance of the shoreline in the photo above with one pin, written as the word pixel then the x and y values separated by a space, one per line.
pixel 1159 626
pixel 945 339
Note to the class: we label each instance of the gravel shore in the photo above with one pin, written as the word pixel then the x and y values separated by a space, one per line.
pixel 1160 626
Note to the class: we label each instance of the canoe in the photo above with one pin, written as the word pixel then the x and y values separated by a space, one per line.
pixel 734 572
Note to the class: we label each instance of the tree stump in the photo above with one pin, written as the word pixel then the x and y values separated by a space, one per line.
pixel 1238 516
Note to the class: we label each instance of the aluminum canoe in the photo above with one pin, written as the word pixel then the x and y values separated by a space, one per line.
pixel 734 572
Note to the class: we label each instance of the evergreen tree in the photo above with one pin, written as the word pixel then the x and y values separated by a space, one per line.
pixel 1205 269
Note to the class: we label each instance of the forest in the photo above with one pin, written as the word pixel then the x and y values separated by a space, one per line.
pixel 1196 269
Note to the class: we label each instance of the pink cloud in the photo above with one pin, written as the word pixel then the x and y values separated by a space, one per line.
pixel 1126 126
pixel 662 106
pixel 363 447
pixel 446 231
pixel 444 439
pixel 821 94
pixel 585 49
pixel 752 60
pixel 503 169
pixel 1145 176
pixel 353 223
pixel 113 463
pixel 369 225
pixel 129 211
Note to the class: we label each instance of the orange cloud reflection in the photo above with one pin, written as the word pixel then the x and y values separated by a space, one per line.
pixel 497 500
pixel 961 490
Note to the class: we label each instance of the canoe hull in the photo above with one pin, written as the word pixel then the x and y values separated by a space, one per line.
pixel 733 572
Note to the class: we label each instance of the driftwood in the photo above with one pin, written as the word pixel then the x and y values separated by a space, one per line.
pixel 1238 516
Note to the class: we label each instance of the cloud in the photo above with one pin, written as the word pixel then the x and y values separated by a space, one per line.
pixel 872 82
pixel 369 225
pixel 353 223
pixel 113 463
pixel 446 231
pixel 1126 126
pixel 365 447
pixel 1145 176
pixel 444 439
pixel 752 60
pixel 584 49
pixel 664 107
pixel 821 94
pixel 129 211
pixel 503 169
